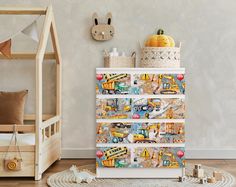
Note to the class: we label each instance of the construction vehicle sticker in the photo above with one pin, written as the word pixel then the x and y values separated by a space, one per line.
pixel 153 157
pixel 113 108
pixel 140 157
pixel 113 84
pixel 157 108
pixel 158 84
pixel 113 157
pixel 140 132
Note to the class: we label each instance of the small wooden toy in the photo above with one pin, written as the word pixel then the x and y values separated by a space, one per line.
pixel 182 178
pixel 218 175
pixel 211 179
pixel 82 176
pixel 198 173
pixel 203 180
pixel 198 166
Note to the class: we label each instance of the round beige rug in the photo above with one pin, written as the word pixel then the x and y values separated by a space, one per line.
pixel 66 178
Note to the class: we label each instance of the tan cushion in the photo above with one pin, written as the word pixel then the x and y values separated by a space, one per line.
pixel 12 106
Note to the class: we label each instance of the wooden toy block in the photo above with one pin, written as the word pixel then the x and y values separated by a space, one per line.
pixel 198 166
pixel 218 175
pixel 203 180
pixel 211 179
pixel 182 178
pixel 198 173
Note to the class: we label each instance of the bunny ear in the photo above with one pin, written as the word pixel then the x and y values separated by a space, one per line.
pixel 109 16
pixel 95 18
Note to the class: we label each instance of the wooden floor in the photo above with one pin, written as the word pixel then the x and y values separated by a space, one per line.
pixel 227 165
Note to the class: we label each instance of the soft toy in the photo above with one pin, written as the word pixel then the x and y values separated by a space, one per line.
pixel 82 176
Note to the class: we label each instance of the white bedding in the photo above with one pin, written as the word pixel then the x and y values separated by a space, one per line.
pixel 23 139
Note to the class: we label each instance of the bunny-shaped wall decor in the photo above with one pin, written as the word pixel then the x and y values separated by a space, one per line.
pixel 103 31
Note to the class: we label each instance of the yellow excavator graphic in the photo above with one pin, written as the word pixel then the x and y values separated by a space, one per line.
pixel 170 87
pixel 172 163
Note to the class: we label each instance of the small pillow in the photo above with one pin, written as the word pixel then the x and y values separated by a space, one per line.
pixel 12 106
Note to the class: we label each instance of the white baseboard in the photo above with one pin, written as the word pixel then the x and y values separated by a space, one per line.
pixel 190 153
pixel 210 153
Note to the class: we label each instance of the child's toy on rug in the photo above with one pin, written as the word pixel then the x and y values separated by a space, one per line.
pixel 211 180
pixel 203 180
pixel 182 178
pixel 82 176
pixel 198 172
pixel 218 175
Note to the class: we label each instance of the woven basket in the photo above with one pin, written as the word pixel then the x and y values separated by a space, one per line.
pixel 120 61
pixel 160 57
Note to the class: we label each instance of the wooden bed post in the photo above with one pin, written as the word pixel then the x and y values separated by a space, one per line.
pixel 39 91
pixel 57 52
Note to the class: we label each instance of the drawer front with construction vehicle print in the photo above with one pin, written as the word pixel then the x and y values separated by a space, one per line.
pixel 140 157
pixel 151 84
pixel 140 108
pixel 119 132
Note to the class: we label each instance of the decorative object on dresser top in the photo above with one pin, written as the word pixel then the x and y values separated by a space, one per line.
pixel 39 144
pixel 66 178
pixel 114 59
pixel 160 51
pixel 140 122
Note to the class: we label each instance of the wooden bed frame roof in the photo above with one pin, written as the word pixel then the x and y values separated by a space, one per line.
pixel 49 25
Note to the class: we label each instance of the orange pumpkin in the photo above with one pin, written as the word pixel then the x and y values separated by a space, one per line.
pixel 160 40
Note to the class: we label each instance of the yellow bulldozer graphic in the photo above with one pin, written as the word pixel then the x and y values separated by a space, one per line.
pixel 168 87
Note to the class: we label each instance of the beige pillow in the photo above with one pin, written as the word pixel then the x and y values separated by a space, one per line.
pixel 12 106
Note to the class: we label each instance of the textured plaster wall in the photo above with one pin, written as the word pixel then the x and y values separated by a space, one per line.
pixel 207 31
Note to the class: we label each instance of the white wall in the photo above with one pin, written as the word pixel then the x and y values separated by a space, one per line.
pixel 207 31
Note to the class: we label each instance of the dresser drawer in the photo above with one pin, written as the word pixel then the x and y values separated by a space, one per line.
pixel 140 157
pixel 121 133
pixel 139 84
pixel 140 108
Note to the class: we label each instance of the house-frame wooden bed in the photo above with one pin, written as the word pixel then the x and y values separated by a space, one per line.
pixel 46 127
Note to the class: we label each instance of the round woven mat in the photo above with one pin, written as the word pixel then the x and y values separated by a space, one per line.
pixel 66 178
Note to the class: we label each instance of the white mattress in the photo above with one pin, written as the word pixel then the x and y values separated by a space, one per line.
pixel 23 139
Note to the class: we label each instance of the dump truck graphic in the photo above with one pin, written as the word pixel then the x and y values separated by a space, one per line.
pixel 115 88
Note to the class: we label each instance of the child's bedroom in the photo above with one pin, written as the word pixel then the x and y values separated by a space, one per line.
pixel 115 93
